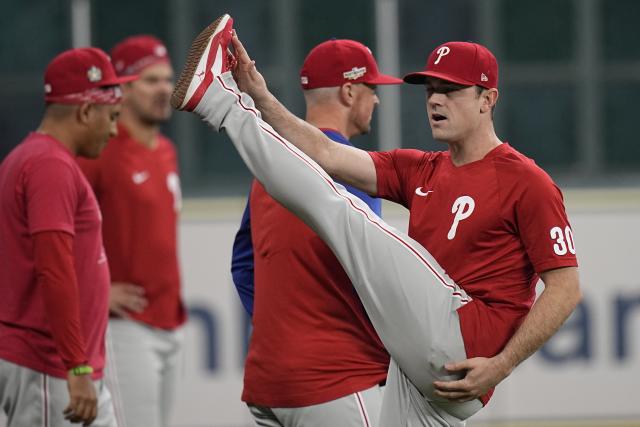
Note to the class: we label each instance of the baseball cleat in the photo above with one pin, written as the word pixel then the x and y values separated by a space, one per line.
pixel 209 57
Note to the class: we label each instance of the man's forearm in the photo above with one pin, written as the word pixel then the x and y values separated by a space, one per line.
pixel 349 165
pixel 553 307
pixel 53 253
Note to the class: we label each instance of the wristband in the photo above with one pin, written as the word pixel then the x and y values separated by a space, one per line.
pixel 81 370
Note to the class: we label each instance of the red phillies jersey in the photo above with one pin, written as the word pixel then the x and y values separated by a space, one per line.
pixel 138 190
pixel 42 189
pixel 312 341
pixel 493 225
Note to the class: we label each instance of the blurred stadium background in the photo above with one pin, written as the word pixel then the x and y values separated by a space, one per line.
pixel 569 90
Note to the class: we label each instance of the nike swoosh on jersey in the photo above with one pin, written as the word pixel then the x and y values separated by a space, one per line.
pixel 419 192
pixel 140 177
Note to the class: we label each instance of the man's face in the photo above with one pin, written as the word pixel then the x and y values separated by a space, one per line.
pixel 453 110
pixel 101 126
pixel 365 101
pixel 149 96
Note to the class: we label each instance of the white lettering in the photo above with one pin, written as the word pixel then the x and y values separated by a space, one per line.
pixel 563 241
pixel 442 51
pixel 463 208
pixel 560 247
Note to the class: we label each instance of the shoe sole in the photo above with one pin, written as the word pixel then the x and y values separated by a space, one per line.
pixel 196 51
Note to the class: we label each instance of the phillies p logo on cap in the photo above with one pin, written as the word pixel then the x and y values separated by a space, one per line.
pixel 442 51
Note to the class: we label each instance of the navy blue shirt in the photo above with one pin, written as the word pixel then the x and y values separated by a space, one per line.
pixel 242 256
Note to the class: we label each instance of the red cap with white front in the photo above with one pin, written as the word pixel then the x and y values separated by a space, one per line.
pixel 135 53
pixel 336 62
pixel 465 63
pixel 82 75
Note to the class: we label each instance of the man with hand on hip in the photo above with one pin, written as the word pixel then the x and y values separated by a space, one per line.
pixel 137 186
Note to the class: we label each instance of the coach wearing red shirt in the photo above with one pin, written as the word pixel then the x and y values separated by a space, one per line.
pixel 137 186
pixel 55 279
pixel 314 358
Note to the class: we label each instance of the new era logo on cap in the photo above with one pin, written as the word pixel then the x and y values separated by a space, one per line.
pixel 336 62
pixel 464 63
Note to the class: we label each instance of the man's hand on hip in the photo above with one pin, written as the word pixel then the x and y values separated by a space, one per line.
pixel 480 375
pixel 125 298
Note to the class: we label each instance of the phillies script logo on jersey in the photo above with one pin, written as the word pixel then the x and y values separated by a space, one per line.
pixel 462 208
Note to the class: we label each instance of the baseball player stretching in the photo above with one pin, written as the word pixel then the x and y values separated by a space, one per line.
pixel 487 213
pixel 54 285
pixel 137 186
pixel 316 376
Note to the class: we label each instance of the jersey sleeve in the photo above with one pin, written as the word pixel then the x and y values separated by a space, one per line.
pixel 242 264
pixel 543 224
pixel 51 196
pixel 53 255
pixel 395 171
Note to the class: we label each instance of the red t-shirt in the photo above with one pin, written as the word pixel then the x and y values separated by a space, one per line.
pixel 42 189
pixel 494 225
pixel 312 340
pixel 138 190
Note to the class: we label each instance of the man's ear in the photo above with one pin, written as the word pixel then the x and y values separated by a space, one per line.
pixel 83 112
pixel 489 100
pixel 347 94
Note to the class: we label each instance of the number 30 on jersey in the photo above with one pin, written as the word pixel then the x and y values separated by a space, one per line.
pixel 563 240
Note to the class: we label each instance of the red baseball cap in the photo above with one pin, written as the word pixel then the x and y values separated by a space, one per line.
pixel 80 75
pixel 135 53
pixel 465 63
pixel 336 62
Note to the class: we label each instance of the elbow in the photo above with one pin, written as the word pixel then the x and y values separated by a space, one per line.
pixel 576 298
pixel 575 295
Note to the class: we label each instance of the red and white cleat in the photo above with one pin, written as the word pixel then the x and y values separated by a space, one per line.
pixel 208 58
